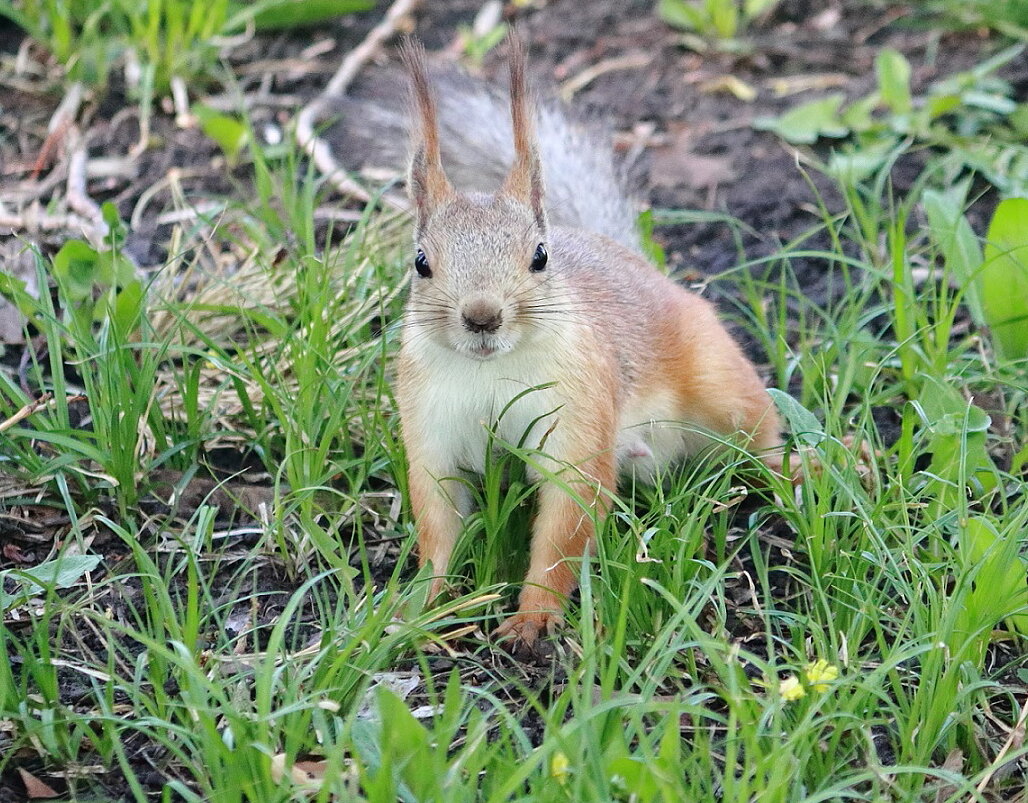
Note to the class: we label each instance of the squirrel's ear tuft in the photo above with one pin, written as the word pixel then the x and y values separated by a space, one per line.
pixel 525 180
pixel 427 184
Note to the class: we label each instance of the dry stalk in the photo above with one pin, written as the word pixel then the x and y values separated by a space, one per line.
pixel 77 194
pixel 316 147
pixel 26 411
pixel 1015 740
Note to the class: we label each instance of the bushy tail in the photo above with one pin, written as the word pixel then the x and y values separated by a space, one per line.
pixel 584 186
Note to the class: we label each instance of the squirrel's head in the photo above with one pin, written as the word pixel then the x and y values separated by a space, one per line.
pixel 480 260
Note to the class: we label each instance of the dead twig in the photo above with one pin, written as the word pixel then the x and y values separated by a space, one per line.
pixel 180 99
pixel 629 61
pixel 316 147
pixel 28 190
pixel 1015 740
pixel 297 65
pixel 231 103
pixel 60 123
pixel 363 53
pixel 29 409
pixel 77 194
pixel 33 219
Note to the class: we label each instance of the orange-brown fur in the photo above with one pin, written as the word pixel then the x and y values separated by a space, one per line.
pixel 635 364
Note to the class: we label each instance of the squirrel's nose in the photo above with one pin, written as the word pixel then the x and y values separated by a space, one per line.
pixel 481 316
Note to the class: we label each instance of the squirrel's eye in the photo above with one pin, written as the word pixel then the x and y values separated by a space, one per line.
pixel 539 260
pixel 421 265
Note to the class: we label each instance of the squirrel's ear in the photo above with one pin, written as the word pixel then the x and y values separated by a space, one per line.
pixel 427 184
pixel 525 180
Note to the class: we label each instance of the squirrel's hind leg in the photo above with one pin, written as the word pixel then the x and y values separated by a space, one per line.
pixel 716 386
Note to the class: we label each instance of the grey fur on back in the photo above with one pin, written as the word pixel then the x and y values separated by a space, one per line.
pixel 584 187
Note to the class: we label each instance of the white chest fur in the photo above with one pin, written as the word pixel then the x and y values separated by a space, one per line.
pixel 517 396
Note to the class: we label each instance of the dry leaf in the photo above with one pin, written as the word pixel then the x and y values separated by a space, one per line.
pixel 225 494
pixel 313 770
pixel 308 775
pixel 13 553
pixel 36 789
pixel 731 85
pixel 399 683
pixel 954 763
pixel 676 165
pixel 794 84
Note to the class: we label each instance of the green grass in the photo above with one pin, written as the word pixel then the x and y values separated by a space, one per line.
pixel 1007 16
pixel 713 19
pixel 218 655
pixel 162 39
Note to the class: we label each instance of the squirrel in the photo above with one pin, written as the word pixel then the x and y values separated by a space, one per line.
pixel 533 311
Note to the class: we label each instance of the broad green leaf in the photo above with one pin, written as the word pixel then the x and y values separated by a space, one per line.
pixel 942 104
pixel 296 13
pixel 857 116
pixel 126 311
pixel 633 777
pixel 61 572
pixel 806 123
pixel 1005 165
pixel 954 237
pixel 949 413
pixel 724 16
pixel 803 425
pixel 407 744
pixel 1019 460
pixel 13 289
pixel 123 271
pixel 1018 120
pixel 894 80
pixel 754 8
pixel 956 442
pixel 1000 580
pixel 1004 279
pixel 118 230
pixel 229 132
pixel 77 267
pixel 8 601
pixel 682 14
pixel 854 163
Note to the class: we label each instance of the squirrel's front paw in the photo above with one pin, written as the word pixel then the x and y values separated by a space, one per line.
pixel 523 634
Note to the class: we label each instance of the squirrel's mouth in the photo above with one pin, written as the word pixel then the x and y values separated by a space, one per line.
pixel 485 347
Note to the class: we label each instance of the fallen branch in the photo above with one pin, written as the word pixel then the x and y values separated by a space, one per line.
pixel 316 147
pixel 33 219
pixel 60 123
pixel 77 195
pixel 29 409
pixel 629 61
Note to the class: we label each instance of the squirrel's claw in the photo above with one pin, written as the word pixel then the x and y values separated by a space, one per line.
pixel 523 635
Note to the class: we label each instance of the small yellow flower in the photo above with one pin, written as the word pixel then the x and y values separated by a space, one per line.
pixel 819 672
pixel 560 766
pixel 791 689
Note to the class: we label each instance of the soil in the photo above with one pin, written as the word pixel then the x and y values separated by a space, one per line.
pixel 689 140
